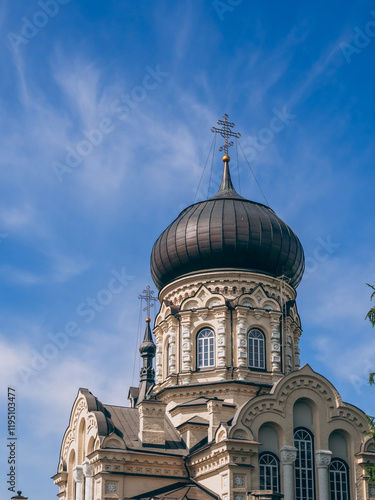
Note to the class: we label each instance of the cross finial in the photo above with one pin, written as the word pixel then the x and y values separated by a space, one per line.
pixel 226 132
pixel 149 299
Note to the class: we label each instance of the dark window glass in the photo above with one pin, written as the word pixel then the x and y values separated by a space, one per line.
pixel 304 465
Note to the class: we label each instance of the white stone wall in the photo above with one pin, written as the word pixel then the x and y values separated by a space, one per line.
pixel 230 303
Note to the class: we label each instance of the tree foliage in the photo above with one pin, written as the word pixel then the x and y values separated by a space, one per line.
pixel 370 469
pixel 371 317
pixel 371 314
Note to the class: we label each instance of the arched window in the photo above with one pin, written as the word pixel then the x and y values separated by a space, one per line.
pixel 339 479
pixel 304 464
pixel 256 349
pixel 205 348
pixel 269 472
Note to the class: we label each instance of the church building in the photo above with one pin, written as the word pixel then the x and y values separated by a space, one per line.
pixel 223 409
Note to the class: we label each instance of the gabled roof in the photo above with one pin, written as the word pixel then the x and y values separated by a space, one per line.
pixel 202 401
pixel 195 421
pixel 126 421
pixel 189 490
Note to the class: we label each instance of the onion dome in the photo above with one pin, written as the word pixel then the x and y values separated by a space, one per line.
pixel 227 232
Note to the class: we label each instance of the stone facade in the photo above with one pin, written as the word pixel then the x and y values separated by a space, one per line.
pixel 216 416
pixel 228 413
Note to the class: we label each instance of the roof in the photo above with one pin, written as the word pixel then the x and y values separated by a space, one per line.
pixel 194 402
pixel 196 421
pixel 202 401
pixel 126 420
pixel 189 490
pixel 227 232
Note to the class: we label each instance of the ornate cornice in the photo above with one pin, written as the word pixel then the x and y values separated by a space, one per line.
pixel 298 384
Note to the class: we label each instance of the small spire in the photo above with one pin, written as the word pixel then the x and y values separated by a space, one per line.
pixel 147 375
pixel 226 189
pixel 147 348
pixel 226 182
pixel 147 345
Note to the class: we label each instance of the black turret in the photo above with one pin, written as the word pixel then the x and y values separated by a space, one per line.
pixel 147 350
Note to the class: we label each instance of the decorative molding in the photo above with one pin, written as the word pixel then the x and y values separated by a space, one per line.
pixel 288 455
pixel 275 402
pixel 323 458
pixel 78 474
pixel 88 469
pixel 275 345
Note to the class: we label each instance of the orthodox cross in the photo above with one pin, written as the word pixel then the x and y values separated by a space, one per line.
pixel 225 132
pixel 148 298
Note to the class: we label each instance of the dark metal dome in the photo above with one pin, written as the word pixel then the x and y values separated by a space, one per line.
pixel 227 232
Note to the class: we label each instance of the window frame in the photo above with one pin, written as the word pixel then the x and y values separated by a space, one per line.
pixel 262 339
pixel 210 355
pixel 333 494
pixel 301 477
pixel 277 466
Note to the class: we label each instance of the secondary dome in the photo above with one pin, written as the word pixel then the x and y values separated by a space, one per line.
pixel 227 232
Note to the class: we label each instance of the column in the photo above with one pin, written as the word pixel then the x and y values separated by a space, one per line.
pixel 89 480
pixel 288 457
pixel 78 478
pixel 323 459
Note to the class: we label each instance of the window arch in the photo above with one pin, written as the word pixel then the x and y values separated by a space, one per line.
pixel 205 348
pixel 339 479
pixel 304 464
pixel 269 472
pixel 256 349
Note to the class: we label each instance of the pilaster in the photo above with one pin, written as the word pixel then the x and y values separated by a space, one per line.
pixel 241 343
pixel 215 410
pixel 297 361
pixel 172 350
pixel 159 362
pixel 275 343
pixel 221 339
pixel 186 346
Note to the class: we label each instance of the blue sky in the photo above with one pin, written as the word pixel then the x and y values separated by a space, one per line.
pixel 145 82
